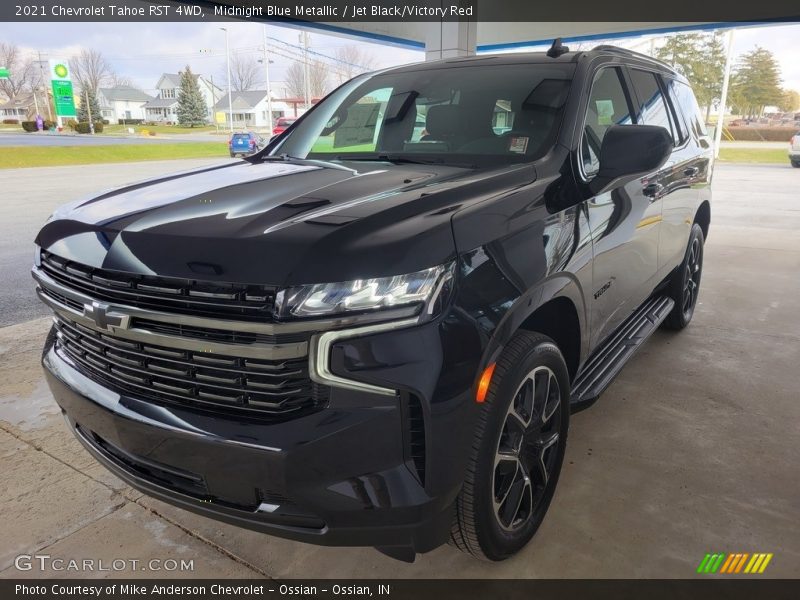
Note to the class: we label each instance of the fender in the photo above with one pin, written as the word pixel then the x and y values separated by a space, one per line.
pixel 517 254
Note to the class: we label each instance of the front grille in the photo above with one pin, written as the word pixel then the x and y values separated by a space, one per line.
pixel 247 386
pixel 183 296
pixel 217 335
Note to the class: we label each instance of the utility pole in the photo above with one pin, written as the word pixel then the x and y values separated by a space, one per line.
pixel 228 62
pixel 89 111
pixel 44 86
pixel 306 91
pixel 214 103
pixel 266 67
pixel 723 100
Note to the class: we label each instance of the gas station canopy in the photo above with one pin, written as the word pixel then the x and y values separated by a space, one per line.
pixel 461 38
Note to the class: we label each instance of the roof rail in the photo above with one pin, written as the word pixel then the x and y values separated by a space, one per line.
pixel 625 52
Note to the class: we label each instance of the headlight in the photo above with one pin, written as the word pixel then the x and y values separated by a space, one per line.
pixel 425 288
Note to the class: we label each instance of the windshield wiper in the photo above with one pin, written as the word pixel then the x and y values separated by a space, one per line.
pixel 391 158
pixel 303 161
pixel 281 157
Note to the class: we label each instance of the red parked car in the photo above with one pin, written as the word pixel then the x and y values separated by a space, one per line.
pixel 282 124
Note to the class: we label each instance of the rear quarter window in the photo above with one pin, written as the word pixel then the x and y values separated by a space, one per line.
pixel 691 110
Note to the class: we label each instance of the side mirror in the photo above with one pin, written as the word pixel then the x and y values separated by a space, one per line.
pixel 630 151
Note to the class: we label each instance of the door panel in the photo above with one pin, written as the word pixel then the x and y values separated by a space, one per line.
pixel 624 222
pixel 689 176
pixel 625 227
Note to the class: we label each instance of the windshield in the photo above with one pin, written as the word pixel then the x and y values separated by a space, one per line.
pixel 460 113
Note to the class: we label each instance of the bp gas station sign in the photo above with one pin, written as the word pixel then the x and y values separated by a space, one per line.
pixel 63 97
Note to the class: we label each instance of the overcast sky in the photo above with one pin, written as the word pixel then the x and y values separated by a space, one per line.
pixel 142 51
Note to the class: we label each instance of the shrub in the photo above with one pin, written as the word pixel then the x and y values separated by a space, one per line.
pixel 83 127
pixel 759 134
pixel 10 121
pixel 29 126
pixel 129 121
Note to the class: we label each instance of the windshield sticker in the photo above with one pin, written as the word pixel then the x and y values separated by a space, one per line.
pixel 359 126
pixel 518 144
pixel 605 112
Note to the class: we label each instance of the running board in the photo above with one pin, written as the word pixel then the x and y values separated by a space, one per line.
pixel 606 363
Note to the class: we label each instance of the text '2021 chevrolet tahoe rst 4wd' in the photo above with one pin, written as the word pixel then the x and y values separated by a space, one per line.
pixel 373 331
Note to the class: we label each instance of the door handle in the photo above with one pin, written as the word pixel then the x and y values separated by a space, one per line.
pixel 691 171
pixel 652 190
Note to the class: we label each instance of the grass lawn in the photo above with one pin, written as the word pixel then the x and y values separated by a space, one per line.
pixel 159 129
pixel 13 157
pixel 754 155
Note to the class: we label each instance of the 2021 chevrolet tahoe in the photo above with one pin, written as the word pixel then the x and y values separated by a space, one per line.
pixel 373 331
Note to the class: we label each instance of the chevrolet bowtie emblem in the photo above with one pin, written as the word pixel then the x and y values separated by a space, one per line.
pixel 104 317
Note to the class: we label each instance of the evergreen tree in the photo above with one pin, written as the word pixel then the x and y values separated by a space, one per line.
pixel 192 108
pixel 83 109
pixel 701 58
pixel 756 82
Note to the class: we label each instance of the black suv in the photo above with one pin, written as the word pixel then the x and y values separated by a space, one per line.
pixel 373 331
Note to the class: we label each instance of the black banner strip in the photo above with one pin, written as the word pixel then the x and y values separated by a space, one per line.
pixel 733 588
pixel 366 11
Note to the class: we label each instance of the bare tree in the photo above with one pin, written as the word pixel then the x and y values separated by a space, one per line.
pixel 318 79
pixel 121 81
pixel 245 72
pixel 22 75
pixel 295 82
pixel 91 69
pixel 352 61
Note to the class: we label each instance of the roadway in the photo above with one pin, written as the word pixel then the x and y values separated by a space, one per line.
pixel 67 139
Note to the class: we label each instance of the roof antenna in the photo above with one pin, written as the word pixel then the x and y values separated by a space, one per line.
pixel 557 49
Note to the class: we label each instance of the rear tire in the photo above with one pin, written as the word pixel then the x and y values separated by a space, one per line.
pixel 517 452
pixel 796 164
pixel 684 286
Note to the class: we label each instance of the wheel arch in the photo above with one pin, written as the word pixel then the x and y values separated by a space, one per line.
pixel 558 319
pixel 703 217
pixel 556 309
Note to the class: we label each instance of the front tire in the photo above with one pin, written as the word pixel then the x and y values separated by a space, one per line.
pixel 517 452
pixel 685 284
pixel 796 164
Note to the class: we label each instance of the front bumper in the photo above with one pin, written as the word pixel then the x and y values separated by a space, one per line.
pixel 339 476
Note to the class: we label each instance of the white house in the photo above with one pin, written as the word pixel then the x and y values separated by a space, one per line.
pixel 164 108
pixel 250 109
pixel 19 108
pixel 122 103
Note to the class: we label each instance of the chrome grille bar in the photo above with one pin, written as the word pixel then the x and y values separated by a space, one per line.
pixel 150 374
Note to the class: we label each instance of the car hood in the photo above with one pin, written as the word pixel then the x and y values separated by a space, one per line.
pixel 271 222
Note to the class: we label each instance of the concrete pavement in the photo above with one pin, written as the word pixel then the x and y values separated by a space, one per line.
pixel 693 449
pixel 29 196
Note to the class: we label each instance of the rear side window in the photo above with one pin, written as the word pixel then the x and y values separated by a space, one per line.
pixel 652 105
pixel 690 109
pixel 608 105
pixel 680 120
